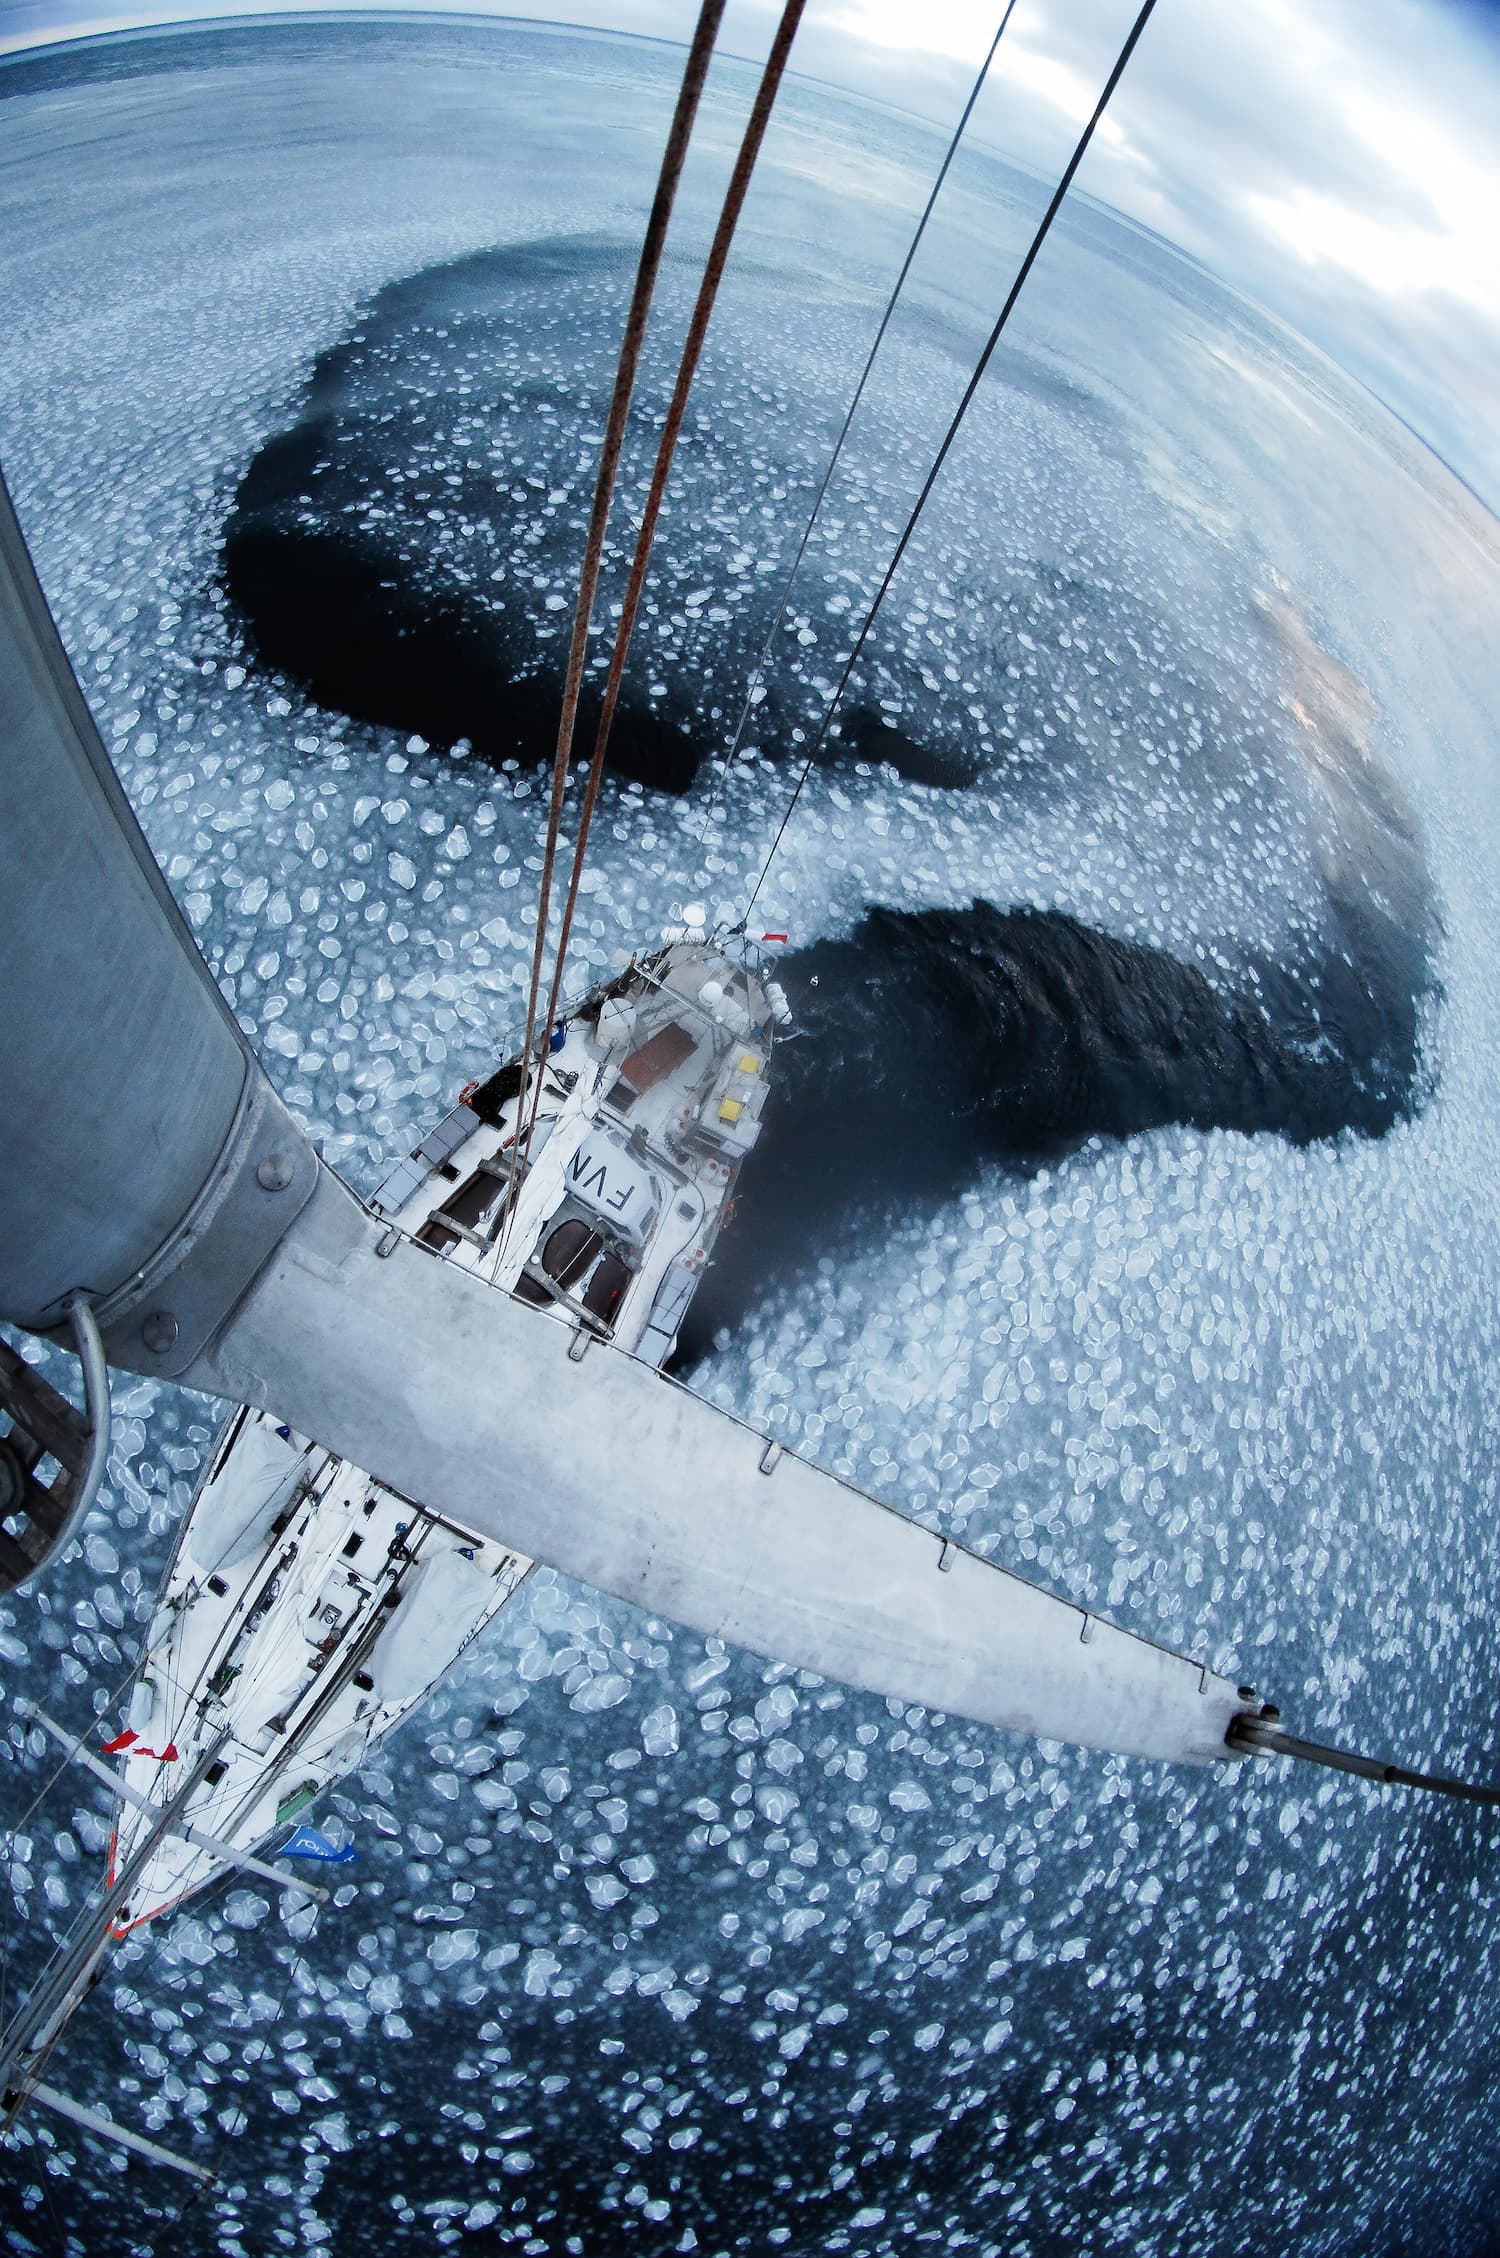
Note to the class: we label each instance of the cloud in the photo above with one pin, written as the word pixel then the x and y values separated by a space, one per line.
pixel 1334 158
pixel 1337 161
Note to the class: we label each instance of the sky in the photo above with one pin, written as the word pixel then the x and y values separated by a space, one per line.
pixel 1339 160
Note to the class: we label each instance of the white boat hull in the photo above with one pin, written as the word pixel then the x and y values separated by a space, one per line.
pixel 309 1607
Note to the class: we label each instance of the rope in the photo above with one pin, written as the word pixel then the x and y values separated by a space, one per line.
pixel 673 157
pixel 692 353
pixel 980 366
pixel 758 672
pixel 295 1960
pixel 65 2243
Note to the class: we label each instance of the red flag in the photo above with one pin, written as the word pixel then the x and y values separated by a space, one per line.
pixel 120 1742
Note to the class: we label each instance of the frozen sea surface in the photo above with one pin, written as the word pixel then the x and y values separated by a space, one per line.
pixel 653 1946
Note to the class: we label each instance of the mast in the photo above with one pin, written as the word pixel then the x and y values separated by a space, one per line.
pixel 147 1166
pixel 145 1160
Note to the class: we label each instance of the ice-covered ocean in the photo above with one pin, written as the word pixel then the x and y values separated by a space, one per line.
pixel 652 1946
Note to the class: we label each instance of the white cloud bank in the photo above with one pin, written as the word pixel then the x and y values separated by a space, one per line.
pixel 1337 158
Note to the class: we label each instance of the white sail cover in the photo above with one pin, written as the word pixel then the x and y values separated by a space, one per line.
pixel 233 1516
pixel 467 1400
pixel 451 1589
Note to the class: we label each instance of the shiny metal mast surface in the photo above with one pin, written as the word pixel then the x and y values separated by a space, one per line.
pixel 145 1160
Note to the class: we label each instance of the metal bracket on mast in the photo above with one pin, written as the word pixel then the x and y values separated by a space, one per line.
pixel 159 1319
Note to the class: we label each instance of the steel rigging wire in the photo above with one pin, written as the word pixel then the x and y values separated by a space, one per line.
pixel 695 71
pixel 28 2082
pixel 757 674
pixel 1262 1735
pixel 1044 228
pixel 687 370
pixel 112 1700
pixel 1265 1736
pixel 692 352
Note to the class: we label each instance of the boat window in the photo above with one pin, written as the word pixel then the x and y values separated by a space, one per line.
pixel 606 1288
pixel 570 1250
pixel 566 1254
pixel 472 1201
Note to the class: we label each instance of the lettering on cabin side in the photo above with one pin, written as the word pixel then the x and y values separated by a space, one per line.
pixel 595 1185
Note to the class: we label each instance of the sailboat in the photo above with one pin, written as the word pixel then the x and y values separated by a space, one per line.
pixel 176 1217
pixel 308 1606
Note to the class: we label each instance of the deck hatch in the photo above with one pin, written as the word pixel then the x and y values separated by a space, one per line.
pixel 659 1057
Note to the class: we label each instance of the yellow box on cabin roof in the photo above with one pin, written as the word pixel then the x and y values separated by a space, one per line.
pixel 730 1110
pixel 748 1063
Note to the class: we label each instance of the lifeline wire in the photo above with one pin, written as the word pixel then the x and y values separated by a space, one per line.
pixel 758 672
pixel 1024 270
pixel 674 156
pixel 7 1908
pixel 692 352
